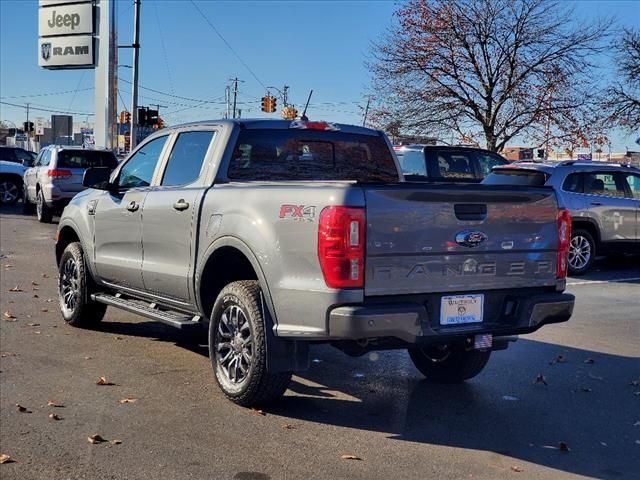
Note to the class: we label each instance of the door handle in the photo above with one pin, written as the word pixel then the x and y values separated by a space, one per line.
pixel 596 204
pixel 133 206
pixel 181 205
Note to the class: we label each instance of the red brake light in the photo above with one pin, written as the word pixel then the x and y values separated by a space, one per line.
pixel 59 173
pixel 341 241
pixel 324 126
pixel 564 240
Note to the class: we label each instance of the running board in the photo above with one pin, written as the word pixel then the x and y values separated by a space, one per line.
pixel 174 319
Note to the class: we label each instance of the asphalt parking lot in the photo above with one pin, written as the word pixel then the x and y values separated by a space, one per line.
pixel 163 417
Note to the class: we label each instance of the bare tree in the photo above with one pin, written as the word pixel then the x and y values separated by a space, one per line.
pixel 499 67
pixel 623 96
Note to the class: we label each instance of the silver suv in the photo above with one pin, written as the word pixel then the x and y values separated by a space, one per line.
pixel 56 176
pixel 603 198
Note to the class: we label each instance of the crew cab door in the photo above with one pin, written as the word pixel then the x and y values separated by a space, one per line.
pixel 169 216
pixel 633 181
pixel 118 214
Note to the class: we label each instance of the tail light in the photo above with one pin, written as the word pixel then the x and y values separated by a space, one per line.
pixel 341 241
pixel 564 239
pixel 59 173
pixel 306 125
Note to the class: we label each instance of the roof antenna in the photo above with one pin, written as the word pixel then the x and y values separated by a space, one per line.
pixel 304 117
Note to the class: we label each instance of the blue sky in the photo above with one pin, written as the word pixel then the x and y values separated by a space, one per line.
pixel 307 45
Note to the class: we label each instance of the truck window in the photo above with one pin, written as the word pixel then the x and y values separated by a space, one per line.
pixel 187 157
pixel 413 162
pixel 516 176
pixel 574 183
pixel 486 161
pixel 277 155
pixel 455 165
pixel 138 171
pixel 607 184
pixel 86 159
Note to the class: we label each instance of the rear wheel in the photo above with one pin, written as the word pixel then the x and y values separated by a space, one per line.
pixel 582 252
pixel 43 211
pixel 237 347
pixel 74 291
pixel 447 363
pixel 9 190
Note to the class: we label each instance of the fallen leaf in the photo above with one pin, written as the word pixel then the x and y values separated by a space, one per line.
pixel 128 400
pixel 44 275
pixel 88 358
pixel 15 289
pixel 589 360
pixel 8 265
pixel 4 458
pixel 44 310
pixel 33 324
pixel 8 354
pixel 9 317
pixel 37 332
pixel 540 379
pixel 564 447
pixel 103 381
pixel 35 284
pixel 95 439
pixel 49 300
pixel 255 411
pixel 559 359
pixel 288 426
pixel 516 468
pixel 35 295
pixel 51 403
pixel 116 442
pixel 22 409
pixel 350 457
pixel 595 377
pixel 54 416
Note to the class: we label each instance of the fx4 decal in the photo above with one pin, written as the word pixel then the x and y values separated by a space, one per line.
pixel 298 212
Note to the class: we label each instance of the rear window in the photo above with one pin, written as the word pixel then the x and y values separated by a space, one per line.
pixel 513 176
pixel 412 162
pixel 86 159
pixel 276 155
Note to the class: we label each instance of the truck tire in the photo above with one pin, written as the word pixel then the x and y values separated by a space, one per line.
pixel 237 347
pixel 9 189
pixel 43 212
pixel 452 364
pixel 582 252
pixel 27 207
pixel 74 290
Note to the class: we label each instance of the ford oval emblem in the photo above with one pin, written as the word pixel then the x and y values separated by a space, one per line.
pixel 470 238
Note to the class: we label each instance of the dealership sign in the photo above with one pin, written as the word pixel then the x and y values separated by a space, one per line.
pixel 66 34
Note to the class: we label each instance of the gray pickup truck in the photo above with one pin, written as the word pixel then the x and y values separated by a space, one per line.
pixel 279 234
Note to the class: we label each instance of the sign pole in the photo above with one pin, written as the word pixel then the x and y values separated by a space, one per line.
pixel 105 76
pixel 134 75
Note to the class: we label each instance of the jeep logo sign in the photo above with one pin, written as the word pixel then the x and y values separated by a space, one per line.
pixel 65 19
pixel 73 52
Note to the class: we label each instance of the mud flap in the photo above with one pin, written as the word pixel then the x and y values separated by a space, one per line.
pixel 283 355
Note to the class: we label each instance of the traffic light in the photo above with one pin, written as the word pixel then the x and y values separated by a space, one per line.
pixel 268 104
pixel 152 118
pixel 272 105
pixel 541 153
pixel 125 117
pixel 289 113
pixel 27 127
pixel 160 123
pixel 142 116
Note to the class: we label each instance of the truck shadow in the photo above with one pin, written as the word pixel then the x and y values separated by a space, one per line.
pixel 612 267
pixel 591 407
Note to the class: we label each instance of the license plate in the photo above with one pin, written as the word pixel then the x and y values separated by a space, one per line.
pixel 461 309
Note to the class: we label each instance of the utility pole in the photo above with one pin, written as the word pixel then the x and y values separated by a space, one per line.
pixel 27 120
pixel 285 95
pixel 366 112
pixel 227 97
pixel 134 74
pixel 235 95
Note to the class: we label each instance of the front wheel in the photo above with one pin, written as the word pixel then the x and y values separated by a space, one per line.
pixel 582 252
pixel 9 191
pixel 43 211
pixel 237 347
pixel 27 207
pixel 73 290
pixel 448 363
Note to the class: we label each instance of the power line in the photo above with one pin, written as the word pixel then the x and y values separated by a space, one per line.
pixel 197 100
pixel 228 44
pixel 164 49
pixel 50 93
pixel 51 110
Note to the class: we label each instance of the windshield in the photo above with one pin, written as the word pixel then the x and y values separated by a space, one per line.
pixel 276 155
pixel 513 176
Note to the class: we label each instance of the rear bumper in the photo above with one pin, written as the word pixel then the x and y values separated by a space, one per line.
pixel 419 322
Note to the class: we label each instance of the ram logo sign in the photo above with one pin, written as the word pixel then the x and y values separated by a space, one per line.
pixel 70 52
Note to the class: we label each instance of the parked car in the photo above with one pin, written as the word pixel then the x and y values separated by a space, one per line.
pixel 603 198
pixel 56 176
pixel 10 181
pixel 16 155
pixel 443 163
pixel 276 234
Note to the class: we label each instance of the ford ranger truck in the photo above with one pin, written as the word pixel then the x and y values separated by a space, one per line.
pixel 274 235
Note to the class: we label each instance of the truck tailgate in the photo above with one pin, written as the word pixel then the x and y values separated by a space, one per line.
pixel 459 238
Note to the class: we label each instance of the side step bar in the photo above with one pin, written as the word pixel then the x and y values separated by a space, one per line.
pixel 174 319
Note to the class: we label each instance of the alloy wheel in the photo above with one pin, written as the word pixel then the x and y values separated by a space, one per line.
pixel 579 252
pixel 69 286
pixel 234 344
pixel 8 192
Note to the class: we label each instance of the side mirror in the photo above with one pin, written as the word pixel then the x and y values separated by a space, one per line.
pixel 27 162
pixel 97 178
